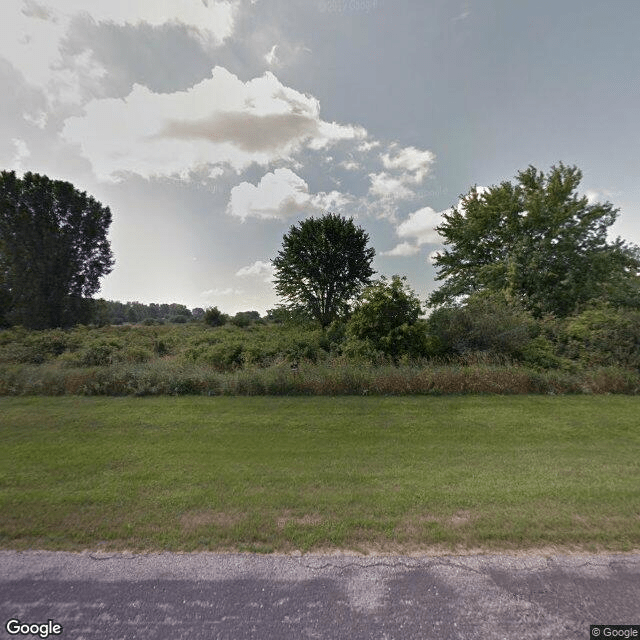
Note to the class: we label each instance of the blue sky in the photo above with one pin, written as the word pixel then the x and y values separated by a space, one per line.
pixel 210 128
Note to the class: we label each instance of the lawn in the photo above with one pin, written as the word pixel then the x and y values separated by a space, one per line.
pixel 386 474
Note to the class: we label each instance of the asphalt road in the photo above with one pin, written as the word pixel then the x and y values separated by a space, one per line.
pixel 173 596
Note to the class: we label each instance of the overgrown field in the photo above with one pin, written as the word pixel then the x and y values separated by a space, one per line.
pixel 257 360
pixel 279 474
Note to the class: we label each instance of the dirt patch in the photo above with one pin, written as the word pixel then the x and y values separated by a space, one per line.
pixel 460 518
pixel 413 525
pixel 305 520
pixel 205 517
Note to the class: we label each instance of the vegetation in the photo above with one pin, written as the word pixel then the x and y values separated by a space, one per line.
pixel 114 312
pixel 596 352
pixel 53 251
pixel 376 473
pixel 538 243
pixel 322 266
pixel 385 322
pixel 277 474
pixel 497 326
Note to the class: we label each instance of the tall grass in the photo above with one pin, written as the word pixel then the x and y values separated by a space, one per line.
pixel 170 376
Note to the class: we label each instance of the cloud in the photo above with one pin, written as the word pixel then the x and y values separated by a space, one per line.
pixel 366 146
pixel 220 120
pixel 592 196
pixel 38 119
pixel 384 185
pixel 271 58
pixel 32 37
pixel 349 165
pixel 406 168
pixel 247 131
pixel 420 226
pixel 22 152
pixel 413 163
pixel 418 229
pixel 259 269
pixel 402 249
pixel 279 195
pixel 466 12
pixel 228 291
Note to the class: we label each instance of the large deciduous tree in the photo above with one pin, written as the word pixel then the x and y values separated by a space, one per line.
pixel 53 251
pixel 322 266
pixel 539 242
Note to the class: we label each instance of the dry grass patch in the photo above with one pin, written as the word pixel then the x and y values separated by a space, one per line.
pixel 308 520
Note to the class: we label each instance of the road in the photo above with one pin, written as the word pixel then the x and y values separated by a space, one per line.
pixel 95 596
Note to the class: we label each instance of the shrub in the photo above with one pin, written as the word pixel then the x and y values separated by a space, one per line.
pixel 603 336
pixel 245 318
pixel 135 354
pixel 97 354
pixel 385 321
pixel 221 356
pixel 540 352
pixel 486 322
pixel 214 317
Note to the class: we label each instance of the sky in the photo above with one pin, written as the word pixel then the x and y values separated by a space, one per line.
pixel 211 127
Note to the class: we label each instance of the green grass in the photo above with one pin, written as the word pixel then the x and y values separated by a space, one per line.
pixel 280 473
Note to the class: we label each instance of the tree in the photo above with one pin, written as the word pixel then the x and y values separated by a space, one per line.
pixel 323 264
pixel 537 241
pixel 385 320
pixel 245 318
pixel 53 250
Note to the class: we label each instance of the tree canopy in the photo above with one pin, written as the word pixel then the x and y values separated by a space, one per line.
pixel 537 241
pixel 53 251
pixel 323 264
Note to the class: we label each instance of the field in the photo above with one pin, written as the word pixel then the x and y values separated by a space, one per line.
pixel 370 474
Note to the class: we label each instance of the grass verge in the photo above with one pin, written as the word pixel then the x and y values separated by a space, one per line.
pixel 279 473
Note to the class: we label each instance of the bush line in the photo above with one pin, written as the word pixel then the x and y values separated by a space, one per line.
pixel 171 378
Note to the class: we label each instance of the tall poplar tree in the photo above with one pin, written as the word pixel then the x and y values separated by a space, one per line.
pixel 53 251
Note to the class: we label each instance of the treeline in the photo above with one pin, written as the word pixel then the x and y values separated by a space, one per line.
pixel 113 312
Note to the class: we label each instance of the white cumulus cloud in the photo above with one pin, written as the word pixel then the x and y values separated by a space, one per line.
pixel 280 194
pixel 420 226
pixel 417 230
pixel 386 186
pixel 403 249
pixel 259 269
pixel 404 169
pixel 413 163
pixel 220 120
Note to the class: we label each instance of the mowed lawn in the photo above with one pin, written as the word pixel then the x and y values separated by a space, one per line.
pixel 396 474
